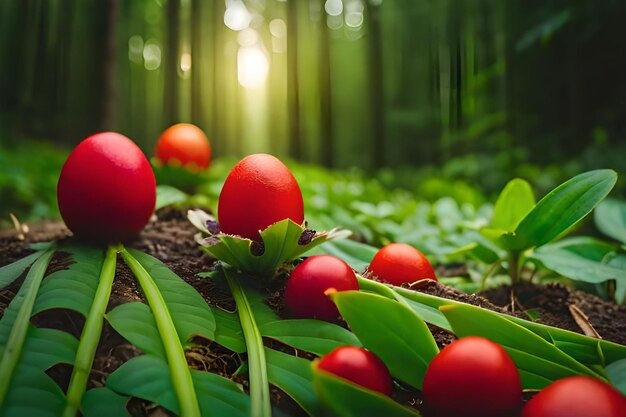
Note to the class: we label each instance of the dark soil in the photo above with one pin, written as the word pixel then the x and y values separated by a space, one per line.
pixel 170 239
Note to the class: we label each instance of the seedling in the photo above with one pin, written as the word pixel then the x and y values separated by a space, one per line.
pixel 399 263
pixel 472 376
pixel 305 295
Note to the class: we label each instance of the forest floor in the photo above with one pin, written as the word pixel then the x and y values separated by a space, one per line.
pixel 170 239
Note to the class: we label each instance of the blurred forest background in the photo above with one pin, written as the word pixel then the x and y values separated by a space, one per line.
pixel 473 91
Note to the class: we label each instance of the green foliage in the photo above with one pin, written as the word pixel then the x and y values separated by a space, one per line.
pixel 610 218
pixel 292 375
pixel 11 272
pixel 617 375
pixel 341 398
pixel 390 330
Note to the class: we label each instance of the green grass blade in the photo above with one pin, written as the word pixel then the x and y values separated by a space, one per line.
pixel 259 384
pixel 90 335
pixel 11 272
pixel 181 377
pixel 15 322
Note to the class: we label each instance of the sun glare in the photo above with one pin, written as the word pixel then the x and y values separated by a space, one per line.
pixel 252 67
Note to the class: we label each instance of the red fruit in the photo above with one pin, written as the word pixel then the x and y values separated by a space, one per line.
pixel 472 376
pixel 186 144
pixel 259 191
pixel 305 293
pixel 359 366
pixel 399 263
pixel 106 191
pixel 577 396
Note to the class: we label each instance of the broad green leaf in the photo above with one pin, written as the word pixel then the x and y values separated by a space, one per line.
pixel 513 204
pixel 619 261
pixel 73 288
pixel 392 331
pixel 148 377
pixel 315 336
pixel 43 348
pixel 294 376
pixel 343 399
pixel 103 402
pixel 134 322
pixel 228 331
pixel 580 259
pixel 167 195
pixel 582 348
pixel 281 243
pixel 190 313
pixel 530 352
pixel 356 254
pixel 616 372
pixel 11 272
pixel 610 218
pixel 561 209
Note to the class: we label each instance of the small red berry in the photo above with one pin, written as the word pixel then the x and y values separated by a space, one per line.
pixel 305 293
pixel 399 263
pixel 185 143
pixel 359 366
pixel 259 191
pixel 577 396
pixel 106 190
pixel 472 376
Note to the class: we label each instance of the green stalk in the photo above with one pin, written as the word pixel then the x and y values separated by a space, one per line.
pixel 17 336
pixel 90 336
pixel 181 376
pixel 259 384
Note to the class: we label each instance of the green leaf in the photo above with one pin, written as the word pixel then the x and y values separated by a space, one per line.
pixel 581 259
pixel 167 195
pixel 11 272
pixel 616 372
pixel 73 288
pixel 294 376
pixel 343 399
pixel 513 204
pixel 610 218
pixel 315 336
pixel 43 348
pixel 134 322
pixel 148 377
pixel 356 254
pixel 103 402
pixel 392 331
pixel 280 240
pixel 190 313
pixel 530 352
pixel 561 209
pixel 228 332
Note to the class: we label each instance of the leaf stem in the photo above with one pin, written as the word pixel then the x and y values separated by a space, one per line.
pixel 259 384
pixel 493 268
pixel 90 336
pixel 181 376
pixel 17 336
pixel 514 257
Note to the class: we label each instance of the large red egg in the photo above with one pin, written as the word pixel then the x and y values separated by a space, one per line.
pixel 259 191
pixel 106 190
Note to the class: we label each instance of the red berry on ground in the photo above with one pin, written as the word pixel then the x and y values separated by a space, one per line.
pixel 399 263
pixel 106 191
pixel 472 376
pixel 359 366
pixel 259 191
pixel 185 143
pixel 305 293
pixel 577 396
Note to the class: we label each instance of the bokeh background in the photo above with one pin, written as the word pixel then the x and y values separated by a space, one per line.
pixel 437 97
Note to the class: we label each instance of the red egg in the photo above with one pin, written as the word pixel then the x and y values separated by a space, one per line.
pixel 472 376
pixel 186 144
pixel 305 293
pixel 259 191
pixel 399 263
pixel 106 191
pixel 359 366
pixel 577 396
